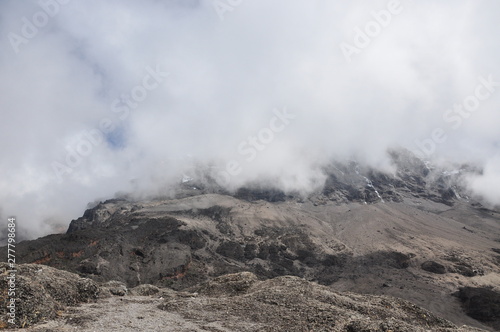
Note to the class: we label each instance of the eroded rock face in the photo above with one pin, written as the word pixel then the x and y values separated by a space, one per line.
pixel 162 249
pixel 352 182
pixel 41 292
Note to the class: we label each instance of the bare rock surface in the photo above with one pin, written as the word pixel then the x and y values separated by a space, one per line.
pixel 241 303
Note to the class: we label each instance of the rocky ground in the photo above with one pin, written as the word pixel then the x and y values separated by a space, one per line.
pixel 235 302
pixel 415 234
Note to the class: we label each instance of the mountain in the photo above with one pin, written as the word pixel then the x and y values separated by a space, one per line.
pixel 415 234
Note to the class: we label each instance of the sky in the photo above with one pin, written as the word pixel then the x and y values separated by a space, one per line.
pixel 106 97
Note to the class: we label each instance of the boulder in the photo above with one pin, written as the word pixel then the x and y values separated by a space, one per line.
pixel 42 292
pixel 433 267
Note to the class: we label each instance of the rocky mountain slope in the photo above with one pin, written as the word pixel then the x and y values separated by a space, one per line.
pixel 414 234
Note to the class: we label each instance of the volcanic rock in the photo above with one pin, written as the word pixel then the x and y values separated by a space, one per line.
pixel 433 267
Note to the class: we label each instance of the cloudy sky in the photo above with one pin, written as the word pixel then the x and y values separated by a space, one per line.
pixel 100 97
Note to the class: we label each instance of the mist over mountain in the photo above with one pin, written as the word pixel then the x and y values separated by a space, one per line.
pixel 122 97
pixel 417 234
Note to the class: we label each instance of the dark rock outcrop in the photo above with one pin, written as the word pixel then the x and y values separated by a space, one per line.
pixel 482 304
pixel 255 193
pixel 433 267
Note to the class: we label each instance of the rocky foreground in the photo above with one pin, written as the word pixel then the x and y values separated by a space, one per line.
pixel 54 300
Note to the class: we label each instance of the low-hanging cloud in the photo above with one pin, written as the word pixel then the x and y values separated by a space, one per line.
pixel 116 96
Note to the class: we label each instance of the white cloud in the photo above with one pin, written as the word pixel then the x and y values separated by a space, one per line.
pixel 488 183
pixel 225 79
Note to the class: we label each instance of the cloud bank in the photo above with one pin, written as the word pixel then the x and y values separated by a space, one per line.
pixel 102 97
